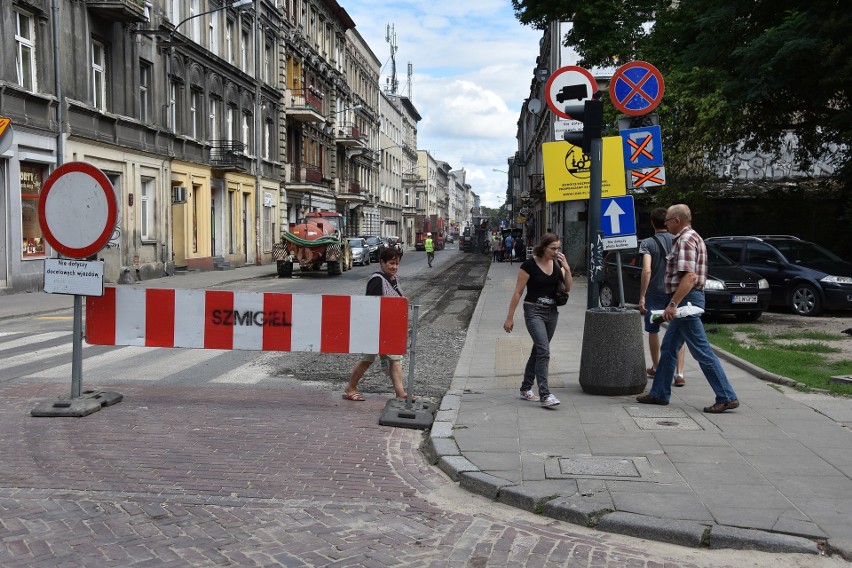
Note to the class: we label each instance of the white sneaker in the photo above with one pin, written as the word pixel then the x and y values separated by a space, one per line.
pixel 549 400
pixel 528 395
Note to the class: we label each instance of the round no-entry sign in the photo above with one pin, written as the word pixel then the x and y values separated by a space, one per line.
pixel 77 210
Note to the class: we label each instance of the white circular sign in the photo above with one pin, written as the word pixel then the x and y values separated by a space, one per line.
pixel 568 85
pixel 77 210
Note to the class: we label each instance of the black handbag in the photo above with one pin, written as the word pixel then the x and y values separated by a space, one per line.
pixel 561 291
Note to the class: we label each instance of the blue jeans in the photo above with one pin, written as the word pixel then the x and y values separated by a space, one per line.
pixel 690 330
pixel 541 324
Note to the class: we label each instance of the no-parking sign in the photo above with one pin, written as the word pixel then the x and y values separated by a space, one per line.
pixel 77 210
pixel 636 88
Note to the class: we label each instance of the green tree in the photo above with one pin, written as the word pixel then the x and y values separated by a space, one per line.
pixel 735 72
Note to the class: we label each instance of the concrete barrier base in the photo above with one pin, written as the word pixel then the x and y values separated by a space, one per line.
pixel 612 362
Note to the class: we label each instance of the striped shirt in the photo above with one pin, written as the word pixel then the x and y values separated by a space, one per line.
pixel 688 254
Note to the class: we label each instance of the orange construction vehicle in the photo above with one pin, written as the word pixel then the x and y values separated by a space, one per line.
pixel 317 240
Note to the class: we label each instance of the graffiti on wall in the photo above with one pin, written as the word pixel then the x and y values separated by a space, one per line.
pixel 761 166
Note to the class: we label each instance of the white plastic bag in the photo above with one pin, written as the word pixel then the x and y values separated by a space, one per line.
pixel 681 312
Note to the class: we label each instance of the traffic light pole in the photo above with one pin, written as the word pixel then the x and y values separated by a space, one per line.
pixel 595 236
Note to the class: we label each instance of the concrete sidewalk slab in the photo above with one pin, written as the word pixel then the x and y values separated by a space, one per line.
pixel 772 475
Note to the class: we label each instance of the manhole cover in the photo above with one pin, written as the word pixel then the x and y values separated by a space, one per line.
pixel 667 424
pixel 613 467
pixel 661 418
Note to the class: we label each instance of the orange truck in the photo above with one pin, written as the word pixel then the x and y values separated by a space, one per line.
pixel 317 240
pixel 424 224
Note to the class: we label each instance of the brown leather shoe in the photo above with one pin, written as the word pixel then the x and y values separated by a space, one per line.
pixel 679 381
pixel 721 407
pixel 648 399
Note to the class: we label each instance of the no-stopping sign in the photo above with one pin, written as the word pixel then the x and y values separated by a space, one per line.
pixel 77 210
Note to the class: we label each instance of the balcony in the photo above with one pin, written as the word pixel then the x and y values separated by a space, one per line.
pixel 305 106
pixel 350 136
pixel 354 186
pixel 126 11
pixel 228 155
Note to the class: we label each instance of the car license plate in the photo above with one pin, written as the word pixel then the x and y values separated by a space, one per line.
pixel 744 299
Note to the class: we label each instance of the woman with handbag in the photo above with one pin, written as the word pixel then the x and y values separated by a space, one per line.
pixel 543 274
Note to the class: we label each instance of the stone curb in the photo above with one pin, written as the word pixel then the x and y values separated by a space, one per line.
pixel 842 548
pixel 440 449
pixel 749 539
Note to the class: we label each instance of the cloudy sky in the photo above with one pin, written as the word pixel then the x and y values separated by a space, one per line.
pixel 473 63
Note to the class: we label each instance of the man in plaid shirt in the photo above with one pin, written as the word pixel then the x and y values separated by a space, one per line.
pixel 686 273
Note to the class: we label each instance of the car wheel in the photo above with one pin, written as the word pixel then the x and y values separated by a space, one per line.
pixel 805 301
pixel 747 316
pixel 607 296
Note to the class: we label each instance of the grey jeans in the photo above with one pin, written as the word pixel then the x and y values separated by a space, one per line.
pixel 541 324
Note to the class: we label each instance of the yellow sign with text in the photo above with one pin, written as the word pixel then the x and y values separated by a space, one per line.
pixel 567 174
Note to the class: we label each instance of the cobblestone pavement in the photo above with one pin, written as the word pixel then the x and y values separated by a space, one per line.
pixel 176 476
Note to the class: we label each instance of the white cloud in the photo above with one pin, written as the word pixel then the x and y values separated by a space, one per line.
pixel 473 64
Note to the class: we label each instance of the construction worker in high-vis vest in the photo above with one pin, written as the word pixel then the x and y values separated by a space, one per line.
pixel 430 249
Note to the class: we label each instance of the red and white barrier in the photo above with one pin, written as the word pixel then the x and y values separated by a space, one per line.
pixel 204 319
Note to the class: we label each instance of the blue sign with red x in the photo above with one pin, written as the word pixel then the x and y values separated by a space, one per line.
pixel 636 88
pixel 642 147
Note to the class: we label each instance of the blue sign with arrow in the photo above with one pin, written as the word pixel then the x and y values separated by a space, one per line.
pixel 618 216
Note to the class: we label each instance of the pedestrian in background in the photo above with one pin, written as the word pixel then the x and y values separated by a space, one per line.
pixel 520 249
pixel 652 289
pixel 381 283
pixel 540 275
pixel 686 274
pixel 430 249
pixel 496 245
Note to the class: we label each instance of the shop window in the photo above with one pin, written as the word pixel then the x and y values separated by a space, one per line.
pixel 33 243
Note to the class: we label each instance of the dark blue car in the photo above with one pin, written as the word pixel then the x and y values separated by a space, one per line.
pixel 802 275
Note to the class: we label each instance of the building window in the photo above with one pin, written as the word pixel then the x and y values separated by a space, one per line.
pixel 244 50
pixel 268 225
pixel 214 33
pixel 229 42
pixel 25 51
pixel 99 71
pixel 246 130
pixel 146 197
pixel 230 125
pixel 195 113
pixel 144 94
pixel 174 115
pixel 33 243
pixel 174 14
pixel 215 105
pixel 267 65
pixel 195 10
pixel 267 140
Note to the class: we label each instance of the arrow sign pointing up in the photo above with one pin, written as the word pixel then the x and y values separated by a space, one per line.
pixel 614 212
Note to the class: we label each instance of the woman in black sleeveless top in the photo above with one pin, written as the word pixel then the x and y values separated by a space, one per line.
pixel 540 275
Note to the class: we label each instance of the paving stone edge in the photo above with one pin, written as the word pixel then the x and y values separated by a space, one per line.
pixel 440 449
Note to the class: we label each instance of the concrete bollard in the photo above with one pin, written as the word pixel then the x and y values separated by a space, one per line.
pixel 613 359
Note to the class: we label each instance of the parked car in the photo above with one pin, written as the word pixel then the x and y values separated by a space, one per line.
pixel 450 239
pixel 802 275
pixel 376 246
pixel 395 242
pixel 360 251
pixel 729 289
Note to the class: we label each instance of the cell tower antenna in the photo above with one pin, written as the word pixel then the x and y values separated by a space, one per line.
pixel 408 84
pixel 390 37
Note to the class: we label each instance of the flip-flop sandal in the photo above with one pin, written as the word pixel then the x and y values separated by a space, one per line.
pixel 355 396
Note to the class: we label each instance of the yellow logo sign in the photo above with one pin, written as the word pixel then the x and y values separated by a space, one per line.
pixel 4 123
pixel 567 174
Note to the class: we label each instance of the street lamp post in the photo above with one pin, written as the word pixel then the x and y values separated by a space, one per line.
pixel 511 205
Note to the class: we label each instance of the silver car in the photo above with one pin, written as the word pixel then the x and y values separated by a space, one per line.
pixel 360 251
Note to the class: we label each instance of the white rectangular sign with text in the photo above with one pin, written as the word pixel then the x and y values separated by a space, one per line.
pixel 77 277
